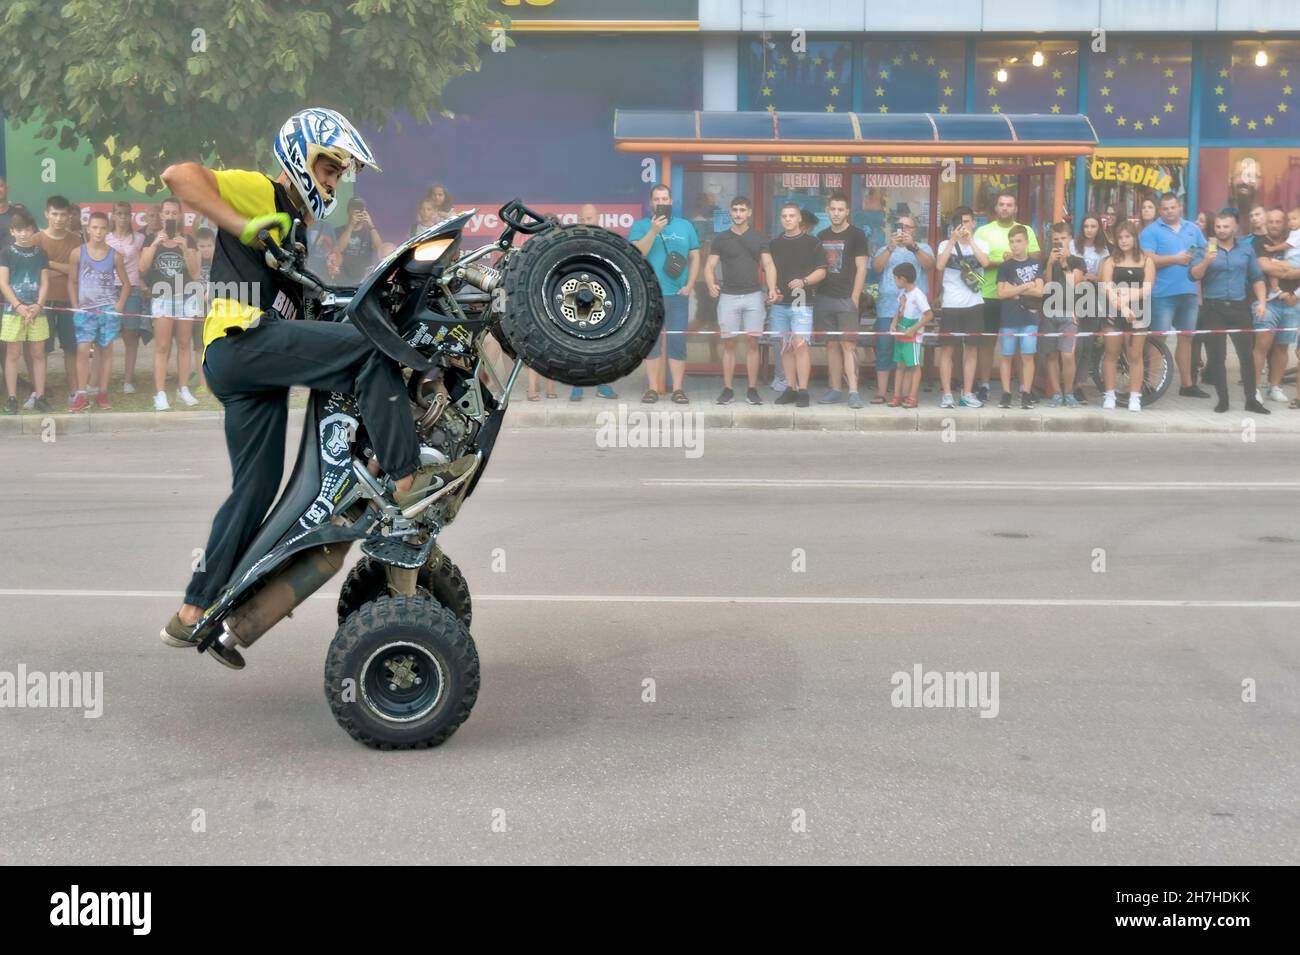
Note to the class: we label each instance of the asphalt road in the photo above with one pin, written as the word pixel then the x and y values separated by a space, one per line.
pixel 770 588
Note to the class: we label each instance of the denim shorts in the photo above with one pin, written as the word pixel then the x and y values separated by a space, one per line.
pixel 1025 335
pixel 1282 319
pixel 884 344
pixel 100 325
pixel 1173 312
pixel 676 314
pixel 790 322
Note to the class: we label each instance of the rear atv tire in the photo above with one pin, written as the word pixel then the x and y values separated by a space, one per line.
pixel 366 581
pixel 401 673
pixel 582 305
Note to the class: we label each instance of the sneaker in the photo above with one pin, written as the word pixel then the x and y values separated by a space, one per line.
pixel 160 402
pixel 128 388
pixel 1057 400
pixel 983 393
pixel 801 398
pixel 947 402
pixel 1275 393
pixel 39 404
pixel 787 397
pixel 80 402
pixel 575 394
pixel 102 402
pixel 832 397
pixel 1108 401
pixel 1254 407
pixel 605 391
pixel 1005 401
pixel 726 396
pixel 431 477
pixel 855 401
pixel 177 634
pixel 753 397
pixel 779 385
pixel 1193 392
pixel 184 395
pixel 30 403
pixel 1026 401
pixel 971 401
pixel 11 404
pixel 1072 402
pixel 1134 401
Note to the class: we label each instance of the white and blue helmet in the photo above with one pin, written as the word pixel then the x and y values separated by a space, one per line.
pixel 312 133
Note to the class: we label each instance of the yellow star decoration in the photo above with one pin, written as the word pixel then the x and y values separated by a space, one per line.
pixel 1121 121
pixel 818 61
pixel 1236 121
pixel 771 74
pixel 1056 107
pixel 1137 124
pixel 1123 60
pixel 771 108
pixel 993 91
pixel 1284 72
pixel 884 108
pixel 1252 124
pixel 1223 73
pixel 1141 55
pixel 1110 107
pixel 929 61
pixel 1173 91
pixel 898 61
pixel 1281 107
pixel 1169 72
pixel 1155 59
pixel 997 108
pixel 947 91
pixel 943 74
pixel 1060 91
pixel 830 108
pixel 1268 120
pixel 1223 107
pixel 767 91
pixel 1110 74
pixel 884 74
pixel 1105 91
pixel 835 91
pixel 1056 74
pixel 943 107
pixel 1218 91
pixel 784 61
pixel 1169 107
pixel 1155 120
pixel 914 57
pixel 1286 91
pixel 830 74
pixel 880 91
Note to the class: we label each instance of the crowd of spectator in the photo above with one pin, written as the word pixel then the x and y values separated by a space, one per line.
pixel 1104 290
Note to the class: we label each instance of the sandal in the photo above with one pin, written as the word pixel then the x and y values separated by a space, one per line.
pixel 895 401
pixel 878 400
pixel 534 397
pixel 551 394
pixel 909 402
pixel 679 397
pixel 650 397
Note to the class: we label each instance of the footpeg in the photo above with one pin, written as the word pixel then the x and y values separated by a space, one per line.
pixel 398 553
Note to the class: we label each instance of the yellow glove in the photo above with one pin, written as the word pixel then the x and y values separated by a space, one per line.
pixel 277 223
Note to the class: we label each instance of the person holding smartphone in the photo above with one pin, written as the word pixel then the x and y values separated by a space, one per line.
pixel 356 244
pixel 672 247
pixel 168 261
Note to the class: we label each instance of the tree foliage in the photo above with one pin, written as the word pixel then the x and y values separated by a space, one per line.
pixel 150 82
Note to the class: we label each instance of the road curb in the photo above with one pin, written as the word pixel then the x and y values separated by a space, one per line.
pixel 524 415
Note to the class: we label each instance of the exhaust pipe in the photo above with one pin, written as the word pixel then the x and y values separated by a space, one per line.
pixel 283 591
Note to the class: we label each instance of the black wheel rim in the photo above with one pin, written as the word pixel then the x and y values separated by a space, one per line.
pixel 402 681
pixel 586 296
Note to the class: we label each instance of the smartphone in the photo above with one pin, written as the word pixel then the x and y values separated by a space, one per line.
pixel 666 211
pixel 170 228
pixel 1213 244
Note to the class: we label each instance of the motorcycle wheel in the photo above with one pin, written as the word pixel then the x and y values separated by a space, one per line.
pixel 366 581
pixel 582 305
pixel 401 673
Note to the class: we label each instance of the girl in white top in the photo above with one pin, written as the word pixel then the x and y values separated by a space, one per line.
pixel 1091 246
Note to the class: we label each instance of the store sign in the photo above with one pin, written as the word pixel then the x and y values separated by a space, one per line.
pixel 485 223
pixel 896 180
pixel 1149 177
pixel 829 160
pixel 603 10
pixel 812 180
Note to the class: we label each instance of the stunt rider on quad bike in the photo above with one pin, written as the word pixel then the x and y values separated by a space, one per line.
pixel 255 350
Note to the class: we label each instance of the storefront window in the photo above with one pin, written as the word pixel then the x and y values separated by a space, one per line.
pixel 1052 87
pixel 1243 177
pixel 1117 183
pixel 817 78
pixel 1141 88
pixel 1242 101
pixel 914 75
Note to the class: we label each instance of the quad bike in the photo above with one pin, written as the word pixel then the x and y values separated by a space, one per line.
pixel 576 303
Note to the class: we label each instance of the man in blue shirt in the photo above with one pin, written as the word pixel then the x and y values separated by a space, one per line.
pixel 1226 269
pixel 1171 242
pixel 672 247
pixel 900 246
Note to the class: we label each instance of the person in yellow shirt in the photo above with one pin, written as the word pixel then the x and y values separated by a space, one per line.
pixel 255 350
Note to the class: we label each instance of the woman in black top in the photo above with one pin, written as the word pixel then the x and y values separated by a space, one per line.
pixel 1127 275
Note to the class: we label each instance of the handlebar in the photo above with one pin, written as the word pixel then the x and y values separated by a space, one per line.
pixel 282 260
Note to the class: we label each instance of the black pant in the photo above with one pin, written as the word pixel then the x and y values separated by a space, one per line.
pixel 251 373
pixel 1219 314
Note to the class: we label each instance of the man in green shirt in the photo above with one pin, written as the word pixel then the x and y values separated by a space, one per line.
pixel 994 237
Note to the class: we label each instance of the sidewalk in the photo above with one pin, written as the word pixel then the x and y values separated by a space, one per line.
pixel 1171 415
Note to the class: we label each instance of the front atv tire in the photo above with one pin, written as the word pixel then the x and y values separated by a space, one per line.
pixel 401 673
pixel 582 305
pixel 366 581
